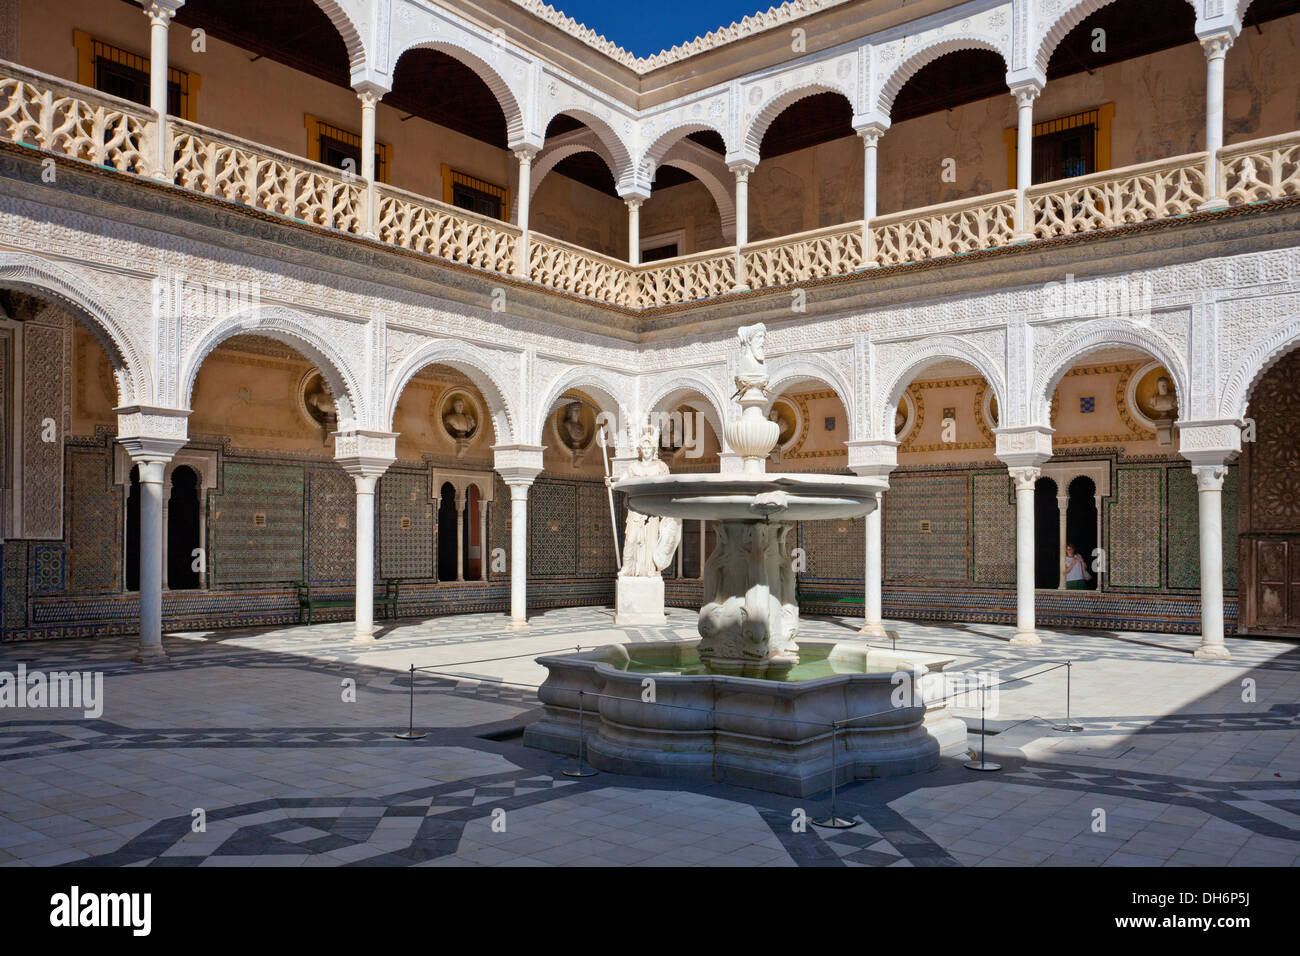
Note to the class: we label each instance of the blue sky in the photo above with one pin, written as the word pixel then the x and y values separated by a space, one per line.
pixel 647 26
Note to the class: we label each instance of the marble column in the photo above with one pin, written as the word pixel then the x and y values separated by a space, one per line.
pixel 525 157
pixel 870 142
pixel 873 624
pixel 1062 513
pixel 741 172
pixel 519 553
pixel 634 230
pixel 160 14
pixel 483 539
pixel 460 537
pixel 369 100
pixel 1216 50
pixel 152 472
pixel 1025 96
pixel 1025 478
pixel 703 556
pixel 365 562
pixel 1209 487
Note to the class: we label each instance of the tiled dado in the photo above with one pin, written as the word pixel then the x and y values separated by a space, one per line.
pixel 1175 613
pixel 118 614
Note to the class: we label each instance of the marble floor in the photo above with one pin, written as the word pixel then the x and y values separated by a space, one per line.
pixel 279 742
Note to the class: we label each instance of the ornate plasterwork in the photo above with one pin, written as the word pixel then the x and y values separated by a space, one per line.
pixel 898 59
pixel 495 372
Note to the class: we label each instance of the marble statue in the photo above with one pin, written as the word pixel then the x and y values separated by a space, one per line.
pixel 321 407
pixel 459 422
pixel 649 543
pixel 752 371
pixel 1164 409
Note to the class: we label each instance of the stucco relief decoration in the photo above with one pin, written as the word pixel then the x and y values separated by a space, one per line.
pixel 460 417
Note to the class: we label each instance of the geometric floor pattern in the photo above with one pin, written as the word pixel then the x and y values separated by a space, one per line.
pixel 275 747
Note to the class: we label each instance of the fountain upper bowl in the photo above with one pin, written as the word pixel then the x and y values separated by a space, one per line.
pixel 735 496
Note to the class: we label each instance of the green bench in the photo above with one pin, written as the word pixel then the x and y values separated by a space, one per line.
pixel 306 602
pixel 828 597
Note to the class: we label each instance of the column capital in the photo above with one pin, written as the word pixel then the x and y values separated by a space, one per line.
pixel 1026 92
pixel 1217 44
pixel 161 11
pixel 741 169
pixel 1209 442
pixel 634 202
pixel 1026 446
pixel 518 465
pixel 363 453
pixel 871 133
pixel 525 153
pixel 1025 476
pixel 1210 477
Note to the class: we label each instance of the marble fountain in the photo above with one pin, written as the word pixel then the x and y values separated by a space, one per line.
pixel 747 703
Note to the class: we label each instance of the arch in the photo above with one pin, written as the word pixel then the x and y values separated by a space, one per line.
pixel 347 28
pixel 911 64
pixel 1094 336
pixel 713 175
pixel 571 144
pixel 943 348
pixel 1058 29
pixel 619 158
pixel 480 365
pixel 296 330
pixel 603 386
pixel 36 277
pixel 804 367
pixel 687 387
pixel 1254 365
pixel 653 155
pixel 500 87
pixel 779 103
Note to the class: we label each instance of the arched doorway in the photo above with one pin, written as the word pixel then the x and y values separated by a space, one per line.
pixel 183 537
pixel 1081 524
pixel 447 532
pixel 133 531
pixel 1047 535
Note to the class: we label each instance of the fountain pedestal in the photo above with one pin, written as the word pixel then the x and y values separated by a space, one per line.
pixel 639 601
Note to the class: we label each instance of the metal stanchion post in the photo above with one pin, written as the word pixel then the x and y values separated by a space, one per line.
pixel 410 720
pixel 834 821
pixel 1067 727
pixel 982 764
pixel 582 770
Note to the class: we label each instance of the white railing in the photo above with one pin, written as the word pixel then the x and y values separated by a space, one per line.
pixel 46 113
pixel 1118 197
pixel 816 254
pixel 1260 170
pixel 437 229
pixel 234 169
pixel 948 229
pixel 703 275
pixel 568 268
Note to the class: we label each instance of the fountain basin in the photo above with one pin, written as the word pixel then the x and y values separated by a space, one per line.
pixel 742 497
pixel 771 735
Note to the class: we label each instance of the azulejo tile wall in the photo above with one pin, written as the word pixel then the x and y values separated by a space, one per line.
pixel 257 523
pixel 95 521
pixel 331 525
pixel 552 529
pixel 1135 527
pixel 833 549
pixel 1183 552
pixel 993 529
pixel 914 502
pixel 406 525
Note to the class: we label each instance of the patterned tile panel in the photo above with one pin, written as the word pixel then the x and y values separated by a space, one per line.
pixel 834 549
pixel 914 554
pixel 499 527
pixel 331 525
pixel 406 552
pixel 1183 550
pixel 993 529
pixel 1135 516
pixel 595 531
pixel 245 551
pixel 49 567
pixel 552 538
pixel 42 432
pixel 13 584
pixel 95 522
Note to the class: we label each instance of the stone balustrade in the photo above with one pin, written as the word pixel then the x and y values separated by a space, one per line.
pixel 52 115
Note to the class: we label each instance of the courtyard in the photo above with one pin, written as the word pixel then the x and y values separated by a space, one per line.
pixel 282 740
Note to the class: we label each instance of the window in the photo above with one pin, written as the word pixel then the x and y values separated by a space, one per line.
pixel 666 245
pixel 334 146
pixel 477 195
pixel 1066 146
pixel 120 72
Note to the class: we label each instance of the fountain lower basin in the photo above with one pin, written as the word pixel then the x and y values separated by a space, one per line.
pixel 771 735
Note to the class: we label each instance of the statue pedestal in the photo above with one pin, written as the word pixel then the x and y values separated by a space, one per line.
pixel 639 601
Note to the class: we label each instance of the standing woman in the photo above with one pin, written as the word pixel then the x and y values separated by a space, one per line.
pixel 1077 575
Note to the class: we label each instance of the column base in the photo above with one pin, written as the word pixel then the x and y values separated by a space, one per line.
pixel 518 625
pixel 866 266
pixel 364 637
pixel 1213 652
pixel 1211 204
pixel 1026 639
pixel 1023 237
pixel 873 629
pixel 148 654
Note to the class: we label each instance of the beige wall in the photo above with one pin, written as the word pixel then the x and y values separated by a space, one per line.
pixel 564 208
pixel 689 207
